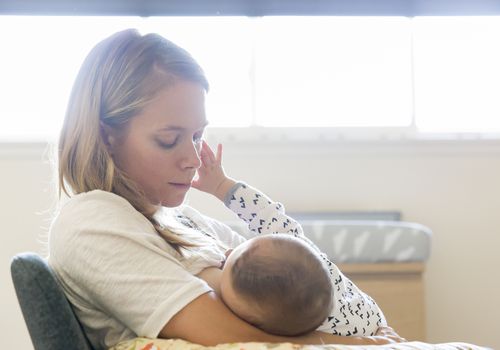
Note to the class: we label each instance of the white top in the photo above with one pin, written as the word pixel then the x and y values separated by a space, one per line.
pixel 121 277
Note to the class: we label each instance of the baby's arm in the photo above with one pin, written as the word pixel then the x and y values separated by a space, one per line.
pixel 262 215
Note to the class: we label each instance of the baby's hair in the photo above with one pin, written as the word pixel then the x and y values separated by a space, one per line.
pixel 285 282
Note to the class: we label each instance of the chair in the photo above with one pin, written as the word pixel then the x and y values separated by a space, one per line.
pixel 51 322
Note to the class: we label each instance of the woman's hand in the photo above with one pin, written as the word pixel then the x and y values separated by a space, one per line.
pixel 389 333
pixel 211 177
pixel 384 335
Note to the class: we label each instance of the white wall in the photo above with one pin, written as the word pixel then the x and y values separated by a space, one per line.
pixel 452 187
pixel 24 192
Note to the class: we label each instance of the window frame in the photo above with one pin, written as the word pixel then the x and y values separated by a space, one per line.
pixel 251 8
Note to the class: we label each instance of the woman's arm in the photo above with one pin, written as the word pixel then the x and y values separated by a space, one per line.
pixel 208 321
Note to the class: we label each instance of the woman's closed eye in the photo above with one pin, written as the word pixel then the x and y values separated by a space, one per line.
pixel 197 140
pixel 167 144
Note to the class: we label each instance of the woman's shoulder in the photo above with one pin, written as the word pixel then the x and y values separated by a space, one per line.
pixel 97 210
pixel 96 204
pixel 89 199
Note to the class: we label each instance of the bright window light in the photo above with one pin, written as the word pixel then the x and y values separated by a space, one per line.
pixel 39 62
pixel 334 71
pixel 41 57
pixel 457 74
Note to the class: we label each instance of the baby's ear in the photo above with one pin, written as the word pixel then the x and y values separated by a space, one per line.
pixel 228 252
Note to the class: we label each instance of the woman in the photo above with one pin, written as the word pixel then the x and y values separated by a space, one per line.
pixel 129 149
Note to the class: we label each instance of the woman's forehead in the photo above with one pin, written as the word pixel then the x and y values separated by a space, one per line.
pixel 180 106
pixel 172 126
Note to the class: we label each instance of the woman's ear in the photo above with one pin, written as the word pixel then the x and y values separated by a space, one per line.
pixel 108 136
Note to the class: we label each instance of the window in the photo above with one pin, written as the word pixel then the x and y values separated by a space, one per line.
pixel 457 75
pixel 416 75
pixel 39 62
pixel 335 72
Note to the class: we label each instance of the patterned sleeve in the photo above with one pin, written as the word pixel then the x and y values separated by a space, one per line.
pixel 262 215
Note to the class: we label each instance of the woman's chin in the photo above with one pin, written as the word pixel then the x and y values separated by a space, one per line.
pixel 173 202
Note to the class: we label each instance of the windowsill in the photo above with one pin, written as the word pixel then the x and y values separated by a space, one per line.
pixel 339 134
pixel 302 141
pixel 366 141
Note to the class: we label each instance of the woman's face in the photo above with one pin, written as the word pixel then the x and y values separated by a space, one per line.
pixel 159 149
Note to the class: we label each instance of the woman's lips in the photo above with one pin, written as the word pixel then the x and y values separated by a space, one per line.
pixel 180 186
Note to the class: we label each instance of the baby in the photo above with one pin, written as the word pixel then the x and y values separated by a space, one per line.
pixel 277 283
pixel 281 282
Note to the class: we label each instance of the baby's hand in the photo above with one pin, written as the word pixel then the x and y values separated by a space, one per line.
pixel 211 177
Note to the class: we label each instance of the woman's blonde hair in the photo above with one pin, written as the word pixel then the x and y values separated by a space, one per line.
pixel 120 75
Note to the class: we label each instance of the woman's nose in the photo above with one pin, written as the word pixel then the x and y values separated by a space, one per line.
pixel 191 155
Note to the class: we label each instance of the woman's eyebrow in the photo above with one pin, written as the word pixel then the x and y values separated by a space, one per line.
pixel 180 128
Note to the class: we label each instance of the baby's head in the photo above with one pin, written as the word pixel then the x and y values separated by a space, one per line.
pixel 277 283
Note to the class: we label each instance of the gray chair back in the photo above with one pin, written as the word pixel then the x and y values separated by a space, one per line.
pixel 51 322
